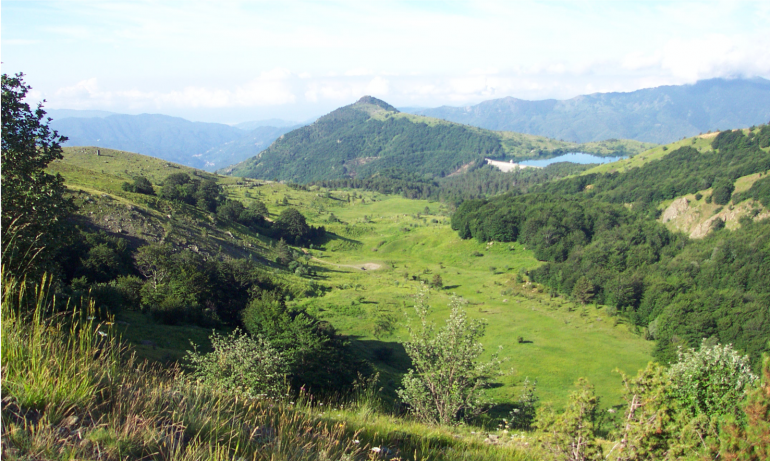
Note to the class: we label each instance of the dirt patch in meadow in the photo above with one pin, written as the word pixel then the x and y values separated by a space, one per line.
pixel 362 266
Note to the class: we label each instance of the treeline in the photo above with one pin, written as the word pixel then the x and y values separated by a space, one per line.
pixel 675 290
pixel 481 180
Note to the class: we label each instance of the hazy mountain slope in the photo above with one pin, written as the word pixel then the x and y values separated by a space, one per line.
pixel 248 145
pixel 195 144
pixel 273 122
pixel 370 136
pixel 658 115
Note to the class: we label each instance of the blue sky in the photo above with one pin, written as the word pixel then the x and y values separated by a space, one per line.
pixel 229 61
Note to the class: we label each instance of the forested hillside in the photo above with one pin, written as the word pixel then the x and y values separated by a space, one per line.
pixel 602 243
pixel 371 136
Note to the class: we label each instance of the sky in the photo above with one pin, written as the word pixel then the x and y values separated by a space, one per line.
pixel 234 61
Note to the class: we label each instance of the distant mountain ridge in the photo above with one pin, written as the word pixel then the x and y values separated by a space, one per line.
pixel 658 115
pixel 370 136
pixel 197 144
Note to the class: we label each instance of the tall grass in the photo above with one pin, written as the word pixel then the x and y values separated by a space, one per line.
pixel 52 363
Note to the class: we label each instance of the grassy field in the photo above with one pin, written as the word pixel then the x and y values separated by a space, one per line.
pixel 378 251
pixel 408 239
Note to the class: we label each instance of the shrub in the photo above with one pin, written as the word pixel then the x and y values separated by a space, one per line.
pixel 712 380
pixel 572 434
pixel 723 192
pixel 447 379
pixel 523 415
pixel 141 185
pixel 240 364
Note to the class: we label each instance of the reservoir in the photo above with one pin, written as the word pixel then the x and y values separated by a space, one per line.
pixel 575 157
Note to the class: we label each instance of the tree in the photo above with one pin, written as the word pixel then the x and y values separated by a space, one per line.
pixel 571 435
pixel 292 225
pixel 723 191
pixel 649 428
pixel 154 262
pixel 437 282
pixel 141 185
pixel 33 203
pixel 583 291
pixel 447 378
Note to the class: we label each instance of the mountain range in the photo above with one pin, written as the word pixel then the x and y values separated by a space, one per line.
pixel 653 115
pixel 197 144
pixel 658 115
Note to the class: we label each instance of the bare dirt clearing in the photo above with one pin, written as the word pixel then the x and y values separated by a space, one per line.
pixel 362 267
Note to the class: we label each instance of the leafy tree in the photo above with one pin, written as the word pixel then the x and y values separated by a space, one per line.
pixel 437 282
pixel 292 225
pixel 723 192
pixel 583 291
pixel 447 378
pixel 316 357
pixel 154 262
pixel 525 411
pixel 106 259
pixel 282 252
pixel 259 208
pixel 384 325
pixel 571 435
pixel 240 364
pixel 34 206
pixel 141 185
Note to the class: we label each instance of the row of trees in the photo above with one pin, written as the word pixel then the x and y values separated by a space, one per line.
pixel 478 182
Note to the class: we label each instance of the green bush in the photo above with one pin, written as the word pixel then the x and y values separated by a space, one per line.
pixel 447 378
pixel 712 380
pixel 241 364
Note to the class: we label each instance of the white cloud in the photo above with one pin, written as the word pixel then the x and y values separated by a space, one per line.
pixel 270 88
pixel 378 87
pixel 151 55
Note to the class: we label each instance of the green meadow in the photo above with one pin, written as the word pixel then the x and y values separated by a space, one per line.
pixel 384 249
pixel 380 251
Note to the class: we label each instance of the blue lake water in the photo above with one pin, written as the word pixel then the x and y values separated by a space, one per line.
pixel 575 157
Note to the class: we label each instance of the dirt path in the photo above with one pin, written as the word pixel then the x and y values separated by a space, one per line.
pixel 362 267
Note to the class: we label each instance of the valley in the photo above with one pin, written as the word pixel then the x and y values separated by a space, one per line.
pixel 397 241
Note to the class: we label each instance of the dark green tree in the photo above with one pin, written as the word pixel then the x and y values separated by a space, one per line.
pixel 583 291
pixel 33 202
pixel 141 185
pixel 291 224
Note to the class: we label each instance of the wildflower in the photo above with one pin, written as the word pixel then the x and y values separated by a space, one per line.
pixel 356 441
pixel 101 333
